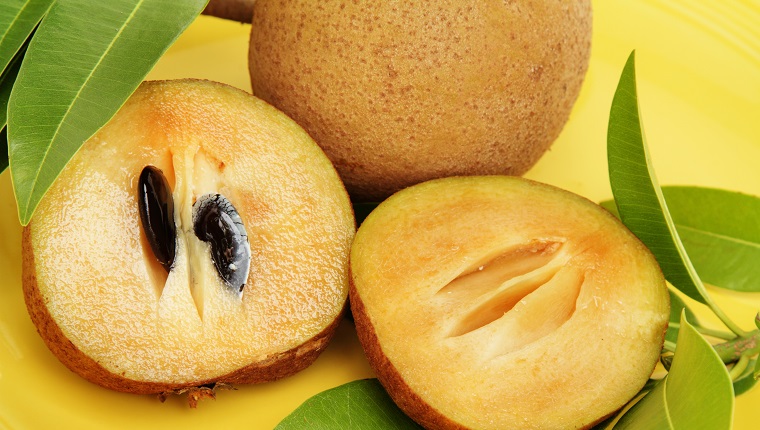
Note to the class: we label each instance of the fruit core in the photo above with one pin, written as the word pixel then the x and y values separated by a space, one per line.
pixel 529 284
pixel 215 221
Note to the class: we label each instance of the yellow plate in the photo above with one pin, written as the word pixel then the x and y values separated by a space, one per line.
pixel 698 65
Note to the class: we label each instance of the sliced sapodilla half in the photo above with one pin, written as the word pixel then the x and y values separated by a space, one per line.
pixel 501 303
pixel 200 237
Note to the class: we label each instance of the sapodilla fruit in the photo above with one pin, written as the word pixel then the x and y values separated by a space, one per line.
pixel 399 92
pixel 243 280
pixel 502 303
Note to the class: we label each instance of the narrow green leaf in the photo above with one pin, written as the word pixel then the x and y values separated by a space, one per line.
pixel 722 240
pixel 756 373
pixel 611 207
pixel 7 78
pixel 612 421
pixel 84 61
pixel 637 194
pixel 649 413
pixel 676 307
pixel 746 380
pixel 696 393
pixel 699 389
pixel 3 149
pixel 358 405
pixel 18 18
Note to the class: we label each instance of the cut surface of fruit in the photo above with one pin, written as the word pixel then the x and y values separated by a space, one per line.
pixel 497 302
pixel 108 308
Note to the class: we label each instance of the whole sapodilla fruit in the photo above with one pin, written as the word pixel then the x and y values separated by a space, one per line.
pixel 497 303
pixel 401 92
pixel 200 237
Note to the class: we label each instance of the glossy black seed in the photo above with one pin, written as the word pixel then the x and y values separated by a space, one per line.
pixel 217 222
pixel 156 205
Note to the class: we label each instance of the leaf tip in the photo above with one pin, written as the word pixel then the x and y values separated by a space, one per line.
pixel 24 214
pixel 630 63
pixel 24 211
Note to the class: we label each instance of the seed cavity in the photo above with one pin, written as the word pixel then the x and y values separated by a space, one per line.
pixel 156 207
pixel 500 303
pixel 514 297
pixel 216 222
pixel 492 271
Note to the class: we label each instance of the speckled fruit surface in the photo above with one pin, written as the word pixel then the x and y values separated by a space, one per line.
pixel 401 92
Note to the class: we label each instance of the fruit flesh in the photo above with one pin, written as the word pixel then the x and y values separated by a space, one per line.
pixel 401 92
pixel 560 340
pixel 92 267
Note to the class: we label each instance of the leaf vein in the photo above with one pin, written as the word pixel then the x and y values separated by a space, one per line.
pixel 73 102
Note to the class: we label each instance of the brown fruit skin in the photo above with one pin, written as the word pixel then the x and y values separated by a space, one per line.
pixel 275 367
pixel 236 10
pixel 397 93
pixel 403 396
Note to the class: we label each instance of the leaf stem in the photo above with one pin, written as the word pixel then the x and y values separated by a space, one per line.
pixel 733 350
pixel 669 346
pixel 739 367
pixel 724 318
pixel 707 331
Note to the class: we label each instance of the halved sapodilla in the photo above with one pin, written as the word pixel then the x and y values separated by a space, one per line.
pixel 200 237
pixel 501 303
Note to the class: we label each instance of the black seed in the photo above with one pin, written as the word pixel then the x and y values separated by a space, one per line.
pixel 156 207
pixel 217 222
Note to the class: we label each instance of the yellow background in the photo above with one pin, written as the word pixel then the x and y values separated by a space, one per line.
pixel 698 68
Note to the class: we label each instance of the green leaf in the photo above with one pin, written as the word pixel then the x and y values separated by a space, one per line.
pixel 637 194
pixel 611 207
pixel 357 405
pixel 696 393
pixel 3 150
pixel 18 18
pixel 609 423
pixel 84 61
pixel 722 242
pixel 6 84
pixel 698 384
pixel 676 307
pixel 746 380
pixel 649 413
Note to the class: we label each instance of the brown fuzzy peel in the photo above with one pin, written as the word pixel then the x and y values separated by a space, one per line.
pixel 404 397
pixel 234 10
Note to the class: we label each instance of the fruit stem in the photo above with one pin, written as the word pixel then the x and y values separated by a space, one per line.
pixel 734 349
pixel 707 331
pixel 739 367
